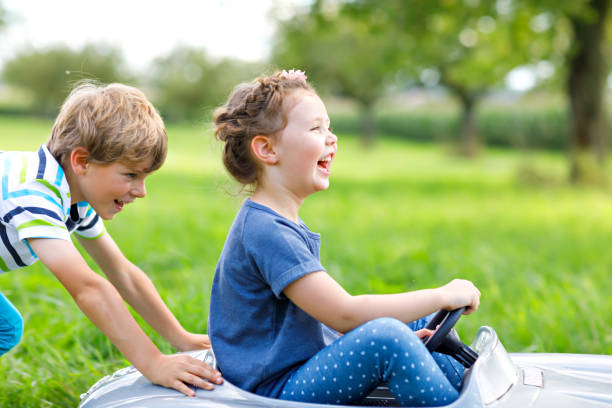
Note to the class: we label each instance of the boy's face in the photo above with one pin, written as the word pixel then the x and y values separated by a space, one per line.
pixel 107 188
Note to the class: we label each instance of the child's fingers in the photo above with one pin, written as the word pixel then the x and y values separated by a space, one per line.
pixel 205 371
pixel 181 387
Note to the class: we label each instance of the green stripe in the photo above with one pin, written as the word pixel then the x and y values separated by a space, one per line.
pixel 51 187
pixel 35 223
pixel 3 266
pixel 96 237
pixel 24 169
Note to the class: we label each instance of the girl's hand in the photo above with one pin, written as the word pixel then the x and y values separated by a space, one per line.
pixel 421 334
pixel 458 293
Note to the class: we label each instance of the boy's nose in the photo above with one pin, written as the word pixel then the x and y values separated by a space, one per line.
pixel 139 189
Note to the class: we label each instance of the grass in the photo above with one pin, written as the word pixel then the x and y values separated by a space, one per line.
pixel 397 217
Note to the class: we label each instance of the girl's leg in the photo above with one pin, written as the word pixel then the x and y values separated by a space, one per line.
pixel 11 325
pixel 383 350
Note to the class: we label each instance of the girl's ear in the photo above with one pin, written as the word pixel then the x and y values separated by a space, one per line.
pixel 263 149
pixel 79 160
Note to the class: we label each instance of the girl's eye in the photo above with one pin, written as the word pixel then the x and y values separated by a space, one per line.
pixel 315 128
pixel 130 175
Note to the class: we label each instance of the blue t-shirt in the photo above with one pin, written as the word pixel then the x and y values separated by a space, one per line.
pixel 259 336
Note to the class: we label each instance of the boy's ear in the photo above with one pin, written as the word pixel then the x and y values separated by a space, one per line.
pixel 263 149
pixel 79 160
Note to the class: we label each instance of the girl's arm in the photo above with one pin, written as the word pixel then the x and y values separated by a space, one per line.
pixel 319 295
pixel 102 304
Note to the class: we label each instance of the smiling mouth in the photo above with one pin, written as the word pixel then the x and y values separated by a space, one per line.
pixel 325 162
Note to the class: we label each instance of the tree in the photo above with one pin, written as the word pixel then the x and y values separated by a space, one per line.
pixel 188 83
pixel 585 85
pixel 466 46
pixel 48 75
pixel 342 55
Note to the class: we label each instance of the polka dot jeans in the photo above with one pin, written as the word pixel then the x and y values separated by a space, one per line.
pixel 382 350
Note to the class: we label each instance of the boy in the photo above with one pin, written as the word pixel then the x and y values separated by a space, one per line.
pixel 105 141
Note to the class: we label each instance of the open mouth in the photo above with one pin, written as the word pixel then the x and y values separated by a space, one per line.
pixel 325 163
pixel 119 204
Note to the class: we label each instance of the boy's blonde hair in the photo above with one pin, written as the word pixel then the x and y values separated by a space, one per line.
pixel 113 123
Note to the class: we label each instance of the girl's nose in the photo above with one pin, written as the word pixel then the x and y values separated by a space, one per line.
pixel 332 138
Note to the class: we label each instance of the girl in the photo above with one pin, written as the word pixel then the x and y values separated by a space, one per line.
pixel 272 300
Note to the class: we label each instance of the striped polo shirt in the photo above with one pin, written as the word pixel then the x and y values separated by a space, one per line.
pixel 36 204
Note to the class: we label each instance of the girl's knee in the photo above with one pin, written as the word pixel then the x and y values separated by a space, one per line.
pixel 387 332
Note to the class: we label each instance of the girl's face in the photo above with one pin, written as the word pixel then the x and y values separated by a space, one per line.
pixel 306 146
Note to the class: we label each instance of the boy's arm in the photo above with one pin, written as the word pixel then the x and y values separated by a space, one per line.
pixel 138 290
pixel 101 303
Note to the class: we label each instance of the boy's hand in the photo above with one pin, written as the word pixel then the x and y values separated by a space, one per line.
pixel 179 370
pixel 192 341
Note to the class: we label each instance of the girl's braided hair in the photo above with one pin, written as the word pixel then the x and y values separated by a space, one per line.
pixel 255 108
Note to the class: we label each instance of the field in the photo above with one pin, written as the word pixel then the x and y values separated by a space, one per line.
pixel 397 217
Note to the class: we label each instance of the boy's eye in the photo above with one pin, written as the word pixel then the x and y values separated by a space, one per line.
pixel 130 175
pixel 315 128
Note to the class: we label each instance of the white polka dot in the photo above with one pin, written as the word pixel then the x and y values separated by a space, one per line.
pixel 350 377
pixel 372 343
pixel 375 354
pixel 341 354
pixel 357 341
pixel 403 367
pixel 351 353
pixel 312 381
pixel 406 354
pixel 418 378
pixel 422 391
pixel 363 353
pixel 327 392
pixel 396 340
pixel 427 379
pixel 359 365
pixel 334 379
pixel 348 363
pixel 335 365
pixel 384 347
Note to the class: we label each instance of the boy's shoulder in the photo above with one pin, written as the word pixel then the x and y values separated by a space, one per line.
pixel 34 177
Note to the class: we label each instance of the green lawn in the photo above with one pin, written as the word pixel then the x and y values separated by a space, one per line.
pixel 397 217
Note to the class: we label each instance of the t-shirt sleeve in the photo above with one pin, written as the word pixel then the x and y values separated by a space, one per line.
pixel 282 255
pixel 37 215
pixel 91 227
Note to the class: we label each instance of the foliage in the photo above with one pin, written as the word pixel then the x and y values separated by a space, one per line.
pixel 537 128
pixel 49 74
pixel 189 84
pixel 341 56
pixel 397 217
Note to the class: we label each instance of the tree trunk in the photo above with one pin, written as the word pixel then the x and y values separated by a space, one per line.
pixel 367 124
pixel 469 143
pixel 587 71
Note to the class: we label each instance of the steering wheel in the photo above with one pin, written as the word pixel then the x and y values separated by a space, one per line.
pixel 445 340
pixel 447 320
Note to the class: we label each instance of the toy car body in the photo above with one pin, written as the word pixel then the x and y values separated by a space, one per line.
pixel 497 379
